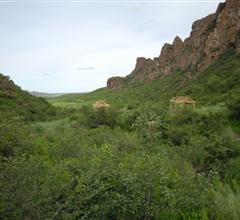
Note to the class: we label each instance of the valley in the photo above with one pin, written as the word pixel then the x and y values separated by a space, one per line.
pixel 132 150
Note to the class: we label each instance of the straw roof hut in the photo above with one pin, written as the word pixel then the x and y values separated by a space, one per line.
pixel 183 100
pixel 100 104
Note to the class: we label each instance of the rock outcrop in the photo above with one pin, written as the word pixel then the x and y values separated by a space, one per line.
pixel 142 70
pixel 115 82
pixel 210 37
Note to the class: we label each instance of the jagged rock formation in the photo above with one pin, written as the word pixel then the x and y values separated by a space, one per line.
pixel 115 82
pixel 210 37
pixel 144 69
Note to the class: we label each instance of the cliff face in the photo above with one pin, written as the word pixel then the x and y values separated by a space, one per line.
pixel 210 37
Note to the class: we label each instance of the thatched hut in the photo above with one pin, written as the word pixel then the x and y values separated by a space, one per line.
pixel 100 104
pixel 183 101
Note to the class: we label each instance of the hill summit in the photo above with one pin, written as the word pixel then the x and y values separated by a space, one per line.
pixel 210 37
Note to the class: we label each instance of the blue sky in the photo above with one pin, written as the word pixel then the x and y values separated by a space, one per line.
pixel 72 46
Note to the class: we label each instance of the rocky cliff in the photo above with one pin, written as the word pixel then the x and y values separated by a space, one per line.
pixel 210 37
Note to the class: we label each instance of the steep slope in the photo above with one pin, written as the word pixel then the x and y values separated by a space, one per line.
pixel 14 99
pixel 210 37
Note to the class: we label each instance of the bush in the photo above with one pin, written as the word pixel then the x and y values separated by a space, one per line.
pixel 13 135
pixel 195 152
pixel 149 126
pixel 234 106
pixel 233 170
pixel 94 118
pixel 128 118
pixel 225 203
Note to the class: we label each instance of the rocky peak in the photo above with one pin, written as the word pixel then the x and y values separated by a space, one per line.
pixel 142 68
pixel 177 43
pixel 142 61
pixel 166 53
pixel 210 37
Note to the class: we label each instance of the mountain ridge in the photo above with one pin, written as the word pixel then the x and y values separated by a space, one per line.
pixel 210 37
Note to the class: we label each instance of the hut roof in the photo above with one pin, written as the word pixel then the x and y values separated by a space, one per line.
pixel 100 104
pixel 183 100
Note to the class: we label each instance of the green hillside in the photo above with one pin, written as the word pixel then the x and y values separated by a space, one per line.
pixel 13 99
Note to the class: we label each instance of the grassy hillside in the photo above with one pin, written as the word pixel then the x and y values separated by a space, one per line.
pixel 21 103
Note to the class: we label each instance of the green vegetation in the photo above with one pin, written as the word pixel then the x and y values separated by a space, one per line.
pixel 139 159
pixel 23 104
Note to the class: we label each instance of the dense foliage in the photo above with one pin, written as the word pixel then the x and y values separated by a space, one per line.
pixel 22 103
pixel 139 159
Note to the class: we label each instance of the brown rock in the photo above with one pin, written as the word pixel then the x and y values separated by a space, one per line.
pixel 115 82
pixel 144 69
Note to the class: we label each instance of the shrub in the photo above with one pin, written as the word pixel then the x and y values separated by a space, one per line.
pixel 149 126
pixel 233 170
pixel 195 152
pixel 12 135
pixel 234 106
pixel 128 118
pixel 102 116
pixel 225 203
